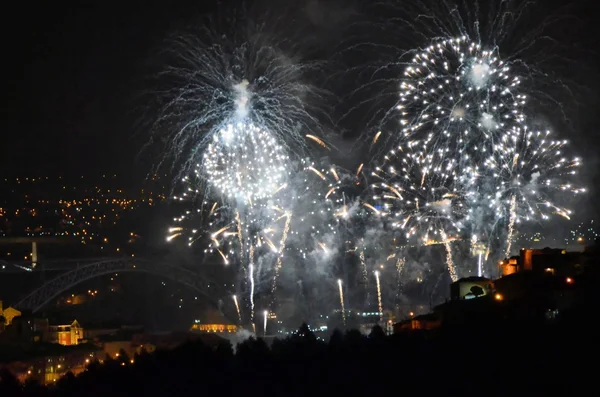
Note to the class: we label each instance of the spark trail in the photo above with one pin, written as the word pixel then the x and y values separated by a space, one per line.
pixel 286 229
pixel 237 308
pixel 266 316
pixel 379 303
pixel 341 291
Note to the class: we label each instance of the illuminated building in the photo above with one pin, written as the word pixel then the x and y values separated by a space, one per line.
pixel 48 370
pixel 66 335
pixel 9 313
pixel 422 322
pixel 359 320
pixel 551 261
pixel 214 322
pixel 368 320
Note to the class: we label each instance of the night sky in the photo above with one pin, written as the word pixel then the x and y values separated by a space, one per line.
pixel 73 74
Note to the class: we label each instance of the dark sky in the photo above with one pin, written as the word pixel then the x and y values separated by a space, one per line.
pixel 72 75
pixel 71 82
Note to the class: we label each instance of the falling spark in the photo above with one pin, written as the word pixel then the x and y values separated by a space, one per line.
pixel 333 189
pixel 171 237
pixel 212 210
pixel 342 300
pixel 323 247
pixel 376 138
pixel 237 308
pixel 449 260
pixel 360 167
pixel 343 212
pixel 511 225
pixel 280 188
pixel 317 172
pixel 239 229
pixel 363 264
pixel 379 295
pixel 284 236
pixel 399 267
pixel 318 140
pixel 251 278
pixel 369 206
pixel 335 174
pixel 223 256
pixel 266 314
pixel 276 208
pixel 270 244
pixel 216 234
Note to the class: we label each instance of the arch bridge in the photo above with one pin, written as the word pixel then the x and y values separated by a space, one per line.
pixel 51 289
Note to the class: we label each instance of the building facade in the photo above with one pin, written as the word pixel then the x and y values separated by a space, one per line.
pixel 66 335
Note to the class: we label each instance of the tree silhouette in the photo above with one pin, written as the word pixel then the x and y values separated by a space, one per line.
pixel 303 365
pixel 305 332
pixel 377 333
pixel 476 290
pixel 9 384
pixel 33 388
pixel 337 338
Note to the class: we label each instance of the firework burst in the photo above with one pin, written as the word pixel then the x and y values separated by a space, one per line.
pixel 245 163
pixel 526 178
pixel 460 93
pixel 230 72
pixel 422 192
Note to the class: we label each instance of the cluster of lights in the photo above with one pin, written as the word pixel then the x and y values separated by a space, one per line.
pixel 584 233
pixel 87 216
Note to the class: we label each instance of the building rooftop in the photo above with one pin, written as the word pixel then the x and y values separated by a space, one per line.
pixel 472 278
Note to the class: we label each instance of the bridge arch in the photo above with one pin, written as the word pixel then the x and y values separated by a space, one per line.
pixel 51 289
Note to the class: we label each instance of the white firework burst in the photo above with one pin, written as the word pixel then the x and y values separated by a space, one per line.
pixel 245 163
pixel 459 94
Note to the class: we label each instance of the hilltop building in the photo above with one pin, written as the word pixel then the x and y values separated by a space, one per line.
pixel 9 313
pixel 214 322
pixel 537 285
pixel 66 334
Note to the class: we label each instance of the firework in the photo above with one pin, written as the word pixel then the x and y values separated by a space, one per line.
pixel 237 308
pixel 266 316
pixel 247 226
pixel 421 192
pixel 462 113
pixel 530 175
pixel 236 111
pixel 379 303
pixel 222 74
pixel 341 291
pixel 458 94
pixel 245 163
